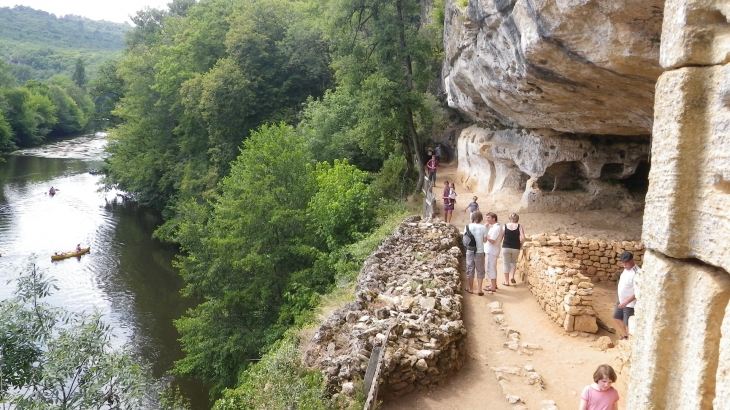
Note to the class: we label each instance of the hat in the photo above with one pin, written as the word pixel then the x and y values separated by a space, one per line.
pixel 627 256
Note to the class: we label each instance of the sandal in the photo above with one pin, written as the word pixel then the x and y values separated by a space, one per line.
pixel 513 280
pixel 481 293
pixel 469 291
pixel 505 284
pixel 489 289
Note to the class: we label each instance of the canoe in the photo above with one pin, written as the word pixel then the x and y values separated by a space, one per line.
pixel 70 254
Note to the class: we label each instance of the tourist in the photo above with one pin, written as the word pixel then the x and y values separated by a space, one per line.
pixel 78 248
pixel 431 166
pixel 448 201
pixel 475 257
pixel 473 207
pixel 600 395
pixel 494 237
pixel 626 294
pixel 438 152
pixel 514 237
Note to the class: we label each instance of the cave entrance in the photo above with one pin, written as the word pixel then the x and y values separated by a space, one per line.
pixel 638 182
pixel 563 176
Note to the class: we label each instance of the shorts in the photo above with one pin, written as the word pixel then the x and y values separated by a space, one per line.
pixel 623 314
pixel 509 258
pixel 474 261
pixel 432 176
pixel 492 266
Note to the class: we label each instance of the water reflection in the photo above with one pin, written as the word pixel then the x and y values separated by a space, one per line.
pixel 128 276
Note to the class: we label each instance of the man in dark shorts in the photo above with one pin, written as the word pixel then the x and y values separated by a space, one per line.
pixel 626 294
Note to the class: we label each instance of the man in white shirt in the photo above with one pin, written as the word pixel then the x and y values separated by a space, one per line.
pixel 494 242
pixel 626 293
pixel 475 256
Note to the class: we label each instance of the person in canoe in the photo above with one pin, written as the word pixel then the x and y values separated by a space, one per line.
pixel 78 248
pixel 52 191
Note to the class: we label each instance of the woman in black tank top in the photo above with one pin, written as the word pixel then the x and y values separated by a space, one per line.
pixel 514 236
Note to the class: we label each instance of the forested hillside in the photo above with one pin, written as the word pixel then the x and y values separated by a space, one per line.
pixel 275 136
pixel 39 44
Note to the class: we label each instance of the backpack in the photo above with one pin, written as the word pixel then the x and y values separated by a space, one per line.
pixel 469 241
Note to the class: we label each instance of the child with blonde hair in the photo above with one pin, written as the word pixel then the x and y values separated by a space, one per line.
pixel 600 395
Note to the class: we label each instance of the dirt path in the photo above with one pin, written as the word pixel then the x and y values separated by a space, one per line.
pixel 565 362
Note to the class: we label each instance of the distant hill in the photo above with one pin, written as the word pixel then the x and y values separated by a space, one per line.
pixel 39 44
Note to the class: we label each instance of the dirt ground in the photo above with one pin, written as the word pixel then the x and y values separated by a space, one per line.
pixel 565 361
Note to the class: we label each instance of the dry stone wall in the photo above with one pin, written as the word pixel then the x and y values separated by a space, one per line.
pixel 560 273
pixel 408 299
pixel 598 258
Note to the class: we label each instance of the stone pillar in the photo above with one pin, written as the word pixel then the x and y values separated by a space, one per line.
pixel 681 352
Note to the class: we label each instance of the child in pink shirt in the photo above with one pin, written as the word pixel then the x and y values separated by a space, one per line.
pixel 600 395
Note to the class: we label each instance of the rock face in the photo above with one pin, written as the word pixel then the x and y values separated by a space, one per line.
pixel 573 66
pixel 552 171
pixel 686 220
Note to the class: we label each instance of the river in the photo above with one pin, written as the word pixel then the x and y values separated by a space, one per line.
pixel 128 276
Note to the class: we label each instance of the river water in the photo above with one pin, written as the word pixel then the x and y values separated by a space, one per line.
pixel 128 276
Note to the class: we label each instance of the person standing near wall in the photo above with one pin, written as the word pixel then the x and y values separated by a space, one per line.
pixel 475 257
pixel 514 237
pixel 626 294
pixel 494 239
pixel 431 166
pixel 448 202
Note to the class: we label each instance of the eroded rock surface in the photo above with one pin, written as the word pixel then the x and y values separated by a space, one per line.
pixel 553 171
pixel 572 66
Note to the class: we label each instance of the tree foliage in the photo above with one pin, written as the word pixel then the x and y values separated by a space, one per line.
pixel 50 358
pixel 40 44
pixel 196 79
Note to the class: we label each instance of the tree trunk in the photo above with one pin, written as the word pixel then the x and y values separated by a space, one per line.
pixel 409 112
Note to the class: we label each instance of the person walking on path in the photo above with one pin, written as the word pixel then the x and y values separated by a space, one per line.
pixel 448 201
pixel 475 256
pixel 514 237
pixel 431 166
pixel 626 294
pixel 494 238
pixel 600 395
pixel 472 207
pixel 438 152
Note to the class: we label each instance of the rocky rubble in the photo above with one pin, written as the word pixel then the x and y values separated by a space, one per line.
pixel 559 271
pixel 408 298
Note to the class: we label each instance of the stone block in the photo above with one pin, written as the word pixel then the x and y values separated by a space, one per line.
pixel 679 308
pixel 690 166
pixel 585 323
pixel 695 32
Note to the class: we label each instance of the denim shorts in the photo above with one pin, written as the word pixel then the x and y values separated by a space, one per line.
pixel 623 314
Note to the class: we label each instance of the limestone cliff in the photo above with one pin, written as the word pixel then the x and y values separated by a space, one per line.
pixel 574 66
pixel 561 93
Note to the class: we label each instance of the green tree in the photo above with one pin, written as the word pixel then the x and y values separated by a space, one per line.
pixel 79 76
pixel 51 358
pixel 30 114
pixel 343 209
pixel 385 59
pixel 241 254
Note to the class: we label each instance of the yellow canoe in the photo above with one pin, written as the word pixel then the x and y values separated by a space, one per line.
pixel 64 255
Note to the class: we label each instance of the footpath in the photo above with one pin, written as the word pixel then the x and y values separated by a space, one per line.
pixel 516 356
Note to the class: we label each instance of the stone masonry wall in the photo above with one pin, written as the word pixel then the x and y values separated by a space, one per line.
pixel 561 268
pixel 407 298
pixel 598 258
pixel 681 350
